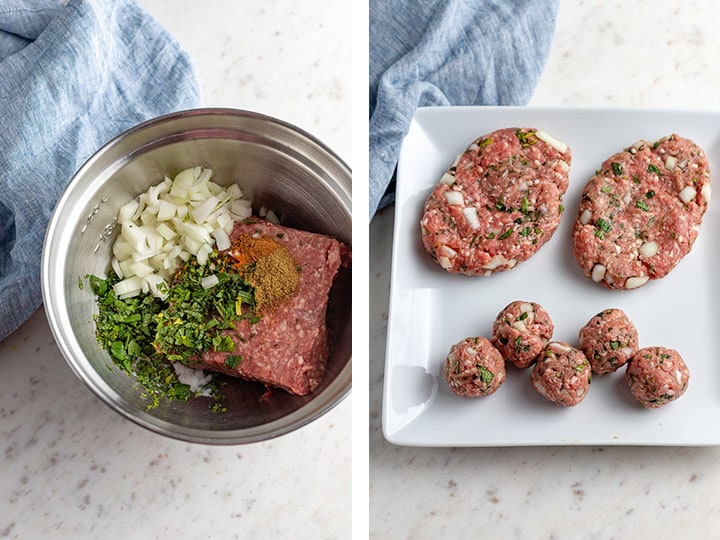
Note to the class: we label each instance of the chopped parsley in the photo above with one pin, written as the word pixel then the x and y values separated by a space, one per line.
pixel 642 205
pixel 524 206
pixel 526 138
pixel 144 334
pixel 505 235
pixel 652 168
pixel 233 360
pixel 486 375
pixel 616 168
pixel 602 228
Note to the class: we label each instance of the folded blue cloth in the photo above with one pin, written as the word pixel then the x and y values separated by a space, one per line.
pixel 72 77
pixel 447 52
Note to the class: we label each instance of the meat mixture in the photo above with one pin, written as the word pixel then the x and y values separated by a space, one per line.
pixel 562 374
pixel 288 346
pixel 498 203
pixel 656 376
pixel 474 368
pixel 641 212
pixel 521 331
pixel 608 340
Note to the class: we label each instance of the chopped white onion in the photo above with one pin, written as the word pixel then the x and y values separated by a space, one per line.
pixel 128 286
pixel 170 222
pixel 495 261
pixel 552 141
pixel 649 249
pixel 448 179
pixel 209 281
pixel 454 198
pixel 519 326
pixel 636 281
pixel 585 216
pixel 556 346
pixel 670 163
pixel 598 273
pixel 706 192
pixel 471 216
pixel 687 194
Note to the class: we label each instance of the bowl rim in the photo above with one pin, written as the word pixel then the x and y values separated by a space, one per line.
pixel 60 325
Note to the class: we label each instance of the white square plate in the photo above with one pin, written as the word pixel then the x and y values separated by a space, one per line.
pixel 431 309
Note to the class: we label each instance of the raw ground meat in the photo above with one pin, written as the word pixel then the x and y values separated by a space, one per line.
pixel 656 376
pixel 521 331
pixel 474 368
pixel 562 374
pixel 641 212
pixel 499 202
pixel 288 347
pixel 608 340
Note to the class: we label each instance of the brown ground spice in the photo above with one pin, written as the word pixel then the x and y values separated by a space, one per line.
pixel 268 267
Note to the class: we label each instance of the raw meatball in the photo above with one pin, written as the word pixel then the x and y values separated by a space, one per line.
pixel 474 368
pixel 608 340
pixel 641 212
pixel 562 374
pixel 656 376
pixel 521 331
pixel 499 203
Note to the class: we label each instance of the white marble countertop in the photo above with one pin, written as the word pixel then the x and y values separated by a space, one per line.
pixel 629 54
pixel 73 468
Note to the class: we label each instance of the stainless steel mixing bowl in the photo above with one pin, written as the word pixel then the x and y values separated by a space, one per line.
pixel 279 167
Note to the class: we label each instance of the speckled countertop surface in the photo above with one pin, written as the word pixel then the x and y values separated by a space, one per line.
pixel 73 468
pixel 641 54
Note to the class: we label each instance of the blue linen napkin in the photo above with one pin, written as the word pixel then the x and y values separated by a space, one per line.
pixel 447 52
pixel 72 77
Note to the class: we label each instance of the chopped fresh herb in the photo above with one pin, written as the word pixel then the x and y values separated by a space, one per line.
pixel 636 179
pixel 616 168
pixel 500 206
pixel 506 234
pixel 525 205
pixel 144 334
pixel 642 205
pixel 650 194
pixel 526 231
pixel 486 375
pixel 561 208
pixel 519 346
pixel 614 345
pixel 606 189
pixel 603 227
pixel 485 142
pixel 233 360
pixel 652 168
pixel 490 236
pixel 526 138
pixel 523 316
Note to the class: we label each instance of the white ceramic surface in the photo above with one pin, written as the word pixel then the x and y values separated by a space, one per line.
pixel 419 408
pixel 73 468
pixel 612 54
